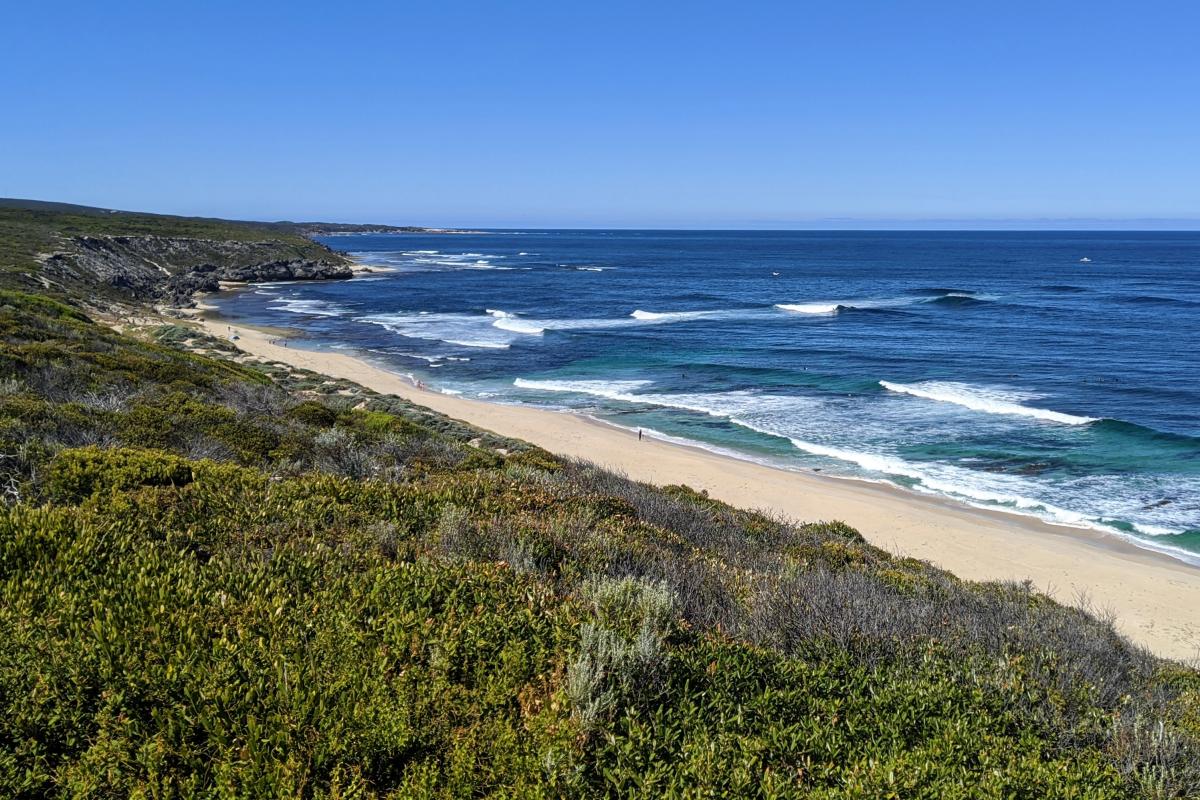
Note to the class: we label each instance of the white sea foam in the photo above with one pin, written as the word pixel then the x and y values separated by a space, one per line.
pixel 506 321
pixel 809 308
pixel 1154 530
pixel 723 405
pixel 965 484
pixel 313 308
pixel 418 356
pixel 518 326
pixel 730 405
pixel 613 390
pixel 464 330
pixel 989 401
pixel 672 316
pixel 427 260
pixel 868 461
pixel 497 328
pixel 1012 493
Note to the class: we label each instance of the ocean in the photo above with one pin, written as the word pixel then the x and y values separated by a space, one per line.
pixel 1055 374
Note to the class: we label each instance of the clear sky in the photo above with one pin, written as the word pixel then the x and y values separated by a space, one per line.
pixel 631 114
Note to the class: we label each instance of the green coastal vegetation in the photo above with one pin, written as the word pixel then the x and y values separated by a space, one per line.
pixel 29 228
pixel 228 578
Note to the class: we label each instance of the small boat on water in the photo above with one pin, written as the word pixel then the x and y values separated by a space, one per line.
pixel 774 274
pixel 1085 260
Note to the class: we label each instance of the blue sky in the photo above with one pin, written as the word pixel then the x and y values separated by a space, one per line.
pixel 801 114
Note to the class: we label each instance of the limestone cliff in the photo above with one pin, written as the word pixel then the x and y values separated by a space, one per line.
pixel 170 269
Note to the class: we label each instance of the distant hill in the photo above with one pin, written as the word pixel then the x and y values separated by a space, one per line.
pixel 302 228
pixel 112 255
pixel 334 228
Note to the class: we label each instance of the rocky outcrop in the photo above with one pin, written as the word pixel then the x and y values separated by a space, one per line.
pixel 172 269
pixel 179 289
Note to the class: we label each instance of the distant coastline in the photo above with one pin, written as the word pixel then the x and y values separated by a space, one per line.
pixel 374 230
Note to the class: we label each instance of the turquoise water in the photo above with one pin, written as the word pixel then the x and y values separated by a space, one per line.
pixel 1000 369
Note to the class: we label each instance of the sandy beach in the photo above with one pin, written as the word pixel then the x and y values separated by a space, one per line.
pixel 1154 598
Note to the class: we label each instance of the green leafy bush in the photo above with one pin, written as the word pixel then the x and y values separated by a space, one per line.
pixel 75 475
pixel 216 585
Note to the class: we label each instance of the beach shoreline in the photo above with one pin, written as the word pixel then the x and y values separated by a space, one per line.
pixel 1151 595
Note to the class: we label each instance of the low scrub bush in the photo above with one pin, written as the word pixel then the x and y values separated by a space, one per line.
pixel 228 581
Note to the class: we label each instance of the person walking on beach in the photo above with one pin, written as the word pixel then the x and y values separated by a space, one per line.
pixel 639 434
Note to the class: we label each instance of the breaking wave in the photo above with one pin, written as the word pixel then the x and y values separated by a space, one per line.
pixel 672 316
pixel 510 322
pixel 988 401
pixel 612 390
pixel 810 308
pixel 312 308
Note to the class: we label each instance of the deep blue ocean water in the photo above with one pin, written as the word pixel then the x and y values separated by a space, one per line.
pixel 1055 374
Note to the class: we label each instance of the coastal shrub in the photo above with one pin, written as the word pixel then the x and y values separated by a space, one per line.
pixel 254 400
pixel 173 334
pixel 280 676
pixel 630 604
pixel 740 721
pixel 537 459
pixel 352 594
pixel 623 655
pixel 74 475
pixel 39 307
pixel 314 413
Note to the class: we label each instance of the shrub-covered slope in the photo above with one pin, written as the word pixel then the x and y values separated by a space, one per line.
pixel 77 251
pixel 228 580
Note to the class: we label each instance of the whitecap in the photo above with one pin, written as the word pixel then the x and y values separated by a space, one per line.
pixel 671 316
pixel 810 308
pixel 418 356
pixel 464 330
pixel 612 390
pixel 990 401
pixel 518 326
pixel 314 308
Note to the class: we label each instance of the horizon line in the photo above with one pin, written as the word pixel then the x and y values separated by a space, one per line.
pixel 865 224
